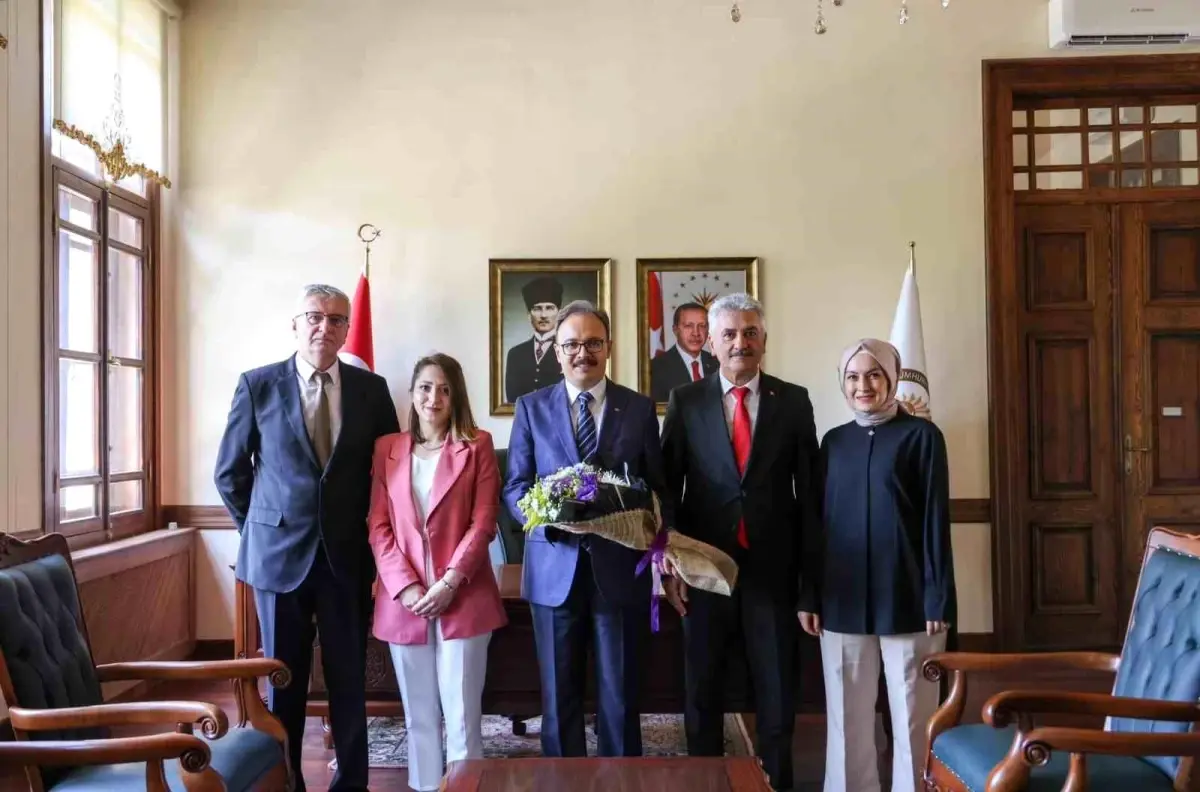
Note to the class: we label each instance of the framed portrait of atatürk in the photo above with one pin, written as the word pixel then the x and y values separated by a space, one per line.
pixel 525 296
pixel 674 296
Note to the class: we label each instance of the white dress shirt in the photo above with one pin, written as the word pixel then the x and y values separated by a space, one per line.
pixel 688 360
pixel 309 391
pixel 596 408
pixel 730 401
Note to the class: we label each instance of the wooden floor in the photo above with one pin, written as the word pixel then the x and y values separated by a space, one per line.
pixel 808 748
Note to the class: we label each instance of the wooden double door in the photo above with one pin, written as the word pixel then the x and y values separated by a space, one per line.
pixel 1107 361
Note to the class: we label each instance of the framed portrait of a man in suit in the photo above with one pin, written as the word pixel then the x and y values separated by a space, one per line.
pixel 525 297
pixel 673 300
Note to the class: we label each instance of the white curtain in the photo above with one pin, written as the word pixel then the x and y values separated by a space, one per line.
pixel 100 40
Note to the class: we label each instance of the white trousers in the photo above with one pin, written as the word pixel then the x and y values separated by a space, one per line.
pixel 441 678
pixel 851 668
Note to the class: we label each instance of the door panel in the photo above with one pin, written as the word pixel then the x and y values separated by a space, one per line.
pixel 1160 372
pixel 1068 506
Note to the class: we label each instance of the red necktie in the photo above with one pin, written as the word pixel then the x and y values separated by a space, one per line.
pixel 741 447
pixel 695 370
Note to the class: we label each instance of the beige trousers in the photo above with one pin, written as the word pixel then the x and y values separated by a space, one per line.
pixel 851 667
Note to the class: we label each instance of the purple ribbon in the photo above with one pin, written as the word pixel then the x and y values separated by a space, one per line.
pixel 653 557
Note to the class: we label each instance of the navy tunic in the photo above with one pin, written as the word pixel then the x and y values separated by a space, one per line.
pixel 887 562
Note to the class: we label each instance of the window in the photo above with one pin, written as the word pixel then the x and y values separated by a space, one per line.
pixel 102 285
pixel 100 333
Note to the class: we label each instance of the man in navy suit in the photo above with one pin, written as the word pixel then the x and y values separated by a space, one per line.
pixel 294 470
pixel 585 586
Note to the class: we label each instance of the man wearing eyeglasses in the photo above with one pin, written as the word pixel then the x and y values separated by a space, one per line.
pixel 585 586
pixel 294 471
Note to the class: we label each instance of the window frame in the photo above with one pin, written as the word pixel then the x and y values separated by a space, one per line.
pixel 103 527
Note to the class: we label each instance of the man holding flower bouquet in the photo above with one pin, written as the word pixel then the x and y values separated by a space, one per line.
pixel 585 586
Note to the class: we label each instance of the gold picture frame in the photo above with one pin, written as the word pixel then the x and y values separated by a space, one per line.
pixel 676 282
pixel 513 324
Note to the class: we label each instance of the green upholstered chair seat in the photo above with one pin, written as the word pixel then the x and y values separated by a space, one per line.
pixel 971 751
pixel 242 757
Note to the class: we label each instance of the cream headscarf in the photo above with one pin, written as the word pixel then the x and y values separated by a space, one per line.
pixel 889 360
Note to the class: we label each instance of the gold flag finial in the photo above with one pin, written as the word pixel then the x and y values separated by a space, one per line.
pixel 912 257
pixel 368 234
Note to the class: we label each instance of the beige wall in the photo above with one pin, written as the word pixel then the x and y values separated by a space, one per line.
pixel 615 128
pixel 20 286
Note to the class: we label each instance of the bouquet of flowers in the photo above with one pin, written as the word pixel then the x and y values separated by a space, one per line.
pixel 584 499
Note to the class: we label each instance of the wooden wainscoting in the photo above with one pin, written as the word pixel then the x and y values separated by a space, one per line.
pixel 137 596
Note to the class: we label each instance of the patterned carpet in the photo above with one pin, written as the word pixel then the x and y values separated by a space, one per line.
pixel 662 735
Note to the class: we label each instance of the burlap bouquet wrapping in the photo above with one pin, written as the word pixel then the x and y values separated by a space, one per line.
pixel 700 565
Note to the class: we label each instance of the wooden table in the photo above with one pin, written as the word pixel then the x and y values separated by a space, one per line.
pixel 729 774
pixel 512 687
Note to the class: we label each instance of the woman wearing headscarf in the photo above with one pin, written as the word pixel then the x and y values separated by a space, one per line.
pixel 887 584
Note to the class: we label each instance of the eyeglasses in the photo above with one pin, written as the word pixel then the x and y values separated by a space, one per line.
pixel 591 345
pixel 315 318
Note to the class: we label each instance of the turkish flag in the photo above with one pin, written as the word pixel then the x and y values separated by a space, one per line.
pixel 655 317
pixel 359 351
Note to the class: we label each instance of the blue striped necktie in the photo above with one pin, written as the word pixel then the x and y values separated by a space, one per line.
pixel 585 432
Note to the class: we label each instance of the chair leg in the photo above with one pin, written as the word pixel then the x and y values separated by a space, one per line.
pixel 326 734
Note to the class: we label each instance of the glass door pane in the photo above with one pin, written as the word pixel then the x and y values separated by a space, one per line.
pixel 124 304
pixel 77 502
pixel 78 418
pixel 125 385
pixel 125 496
pixel 78 209
pixel 77 292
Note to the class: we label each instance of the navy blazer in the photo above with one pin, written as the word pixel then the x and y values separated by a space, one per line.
pixel 779 496
pixel 543 441
pixel 282 502
pixel 888 563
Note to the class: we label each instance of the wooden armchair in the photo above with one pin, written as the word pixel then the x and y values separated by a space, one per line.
pixel 1148 743
pixel 59 719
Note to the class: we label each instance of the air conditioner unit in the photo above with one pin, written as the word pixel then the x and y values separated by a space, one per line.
pixel 1123 23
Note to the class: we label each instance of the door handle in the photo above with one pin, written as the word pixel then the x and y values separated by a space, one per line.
pixel 1130 448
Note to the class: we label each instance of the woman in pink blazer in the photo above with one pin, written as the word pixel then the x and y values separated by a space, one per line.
pixel 434 497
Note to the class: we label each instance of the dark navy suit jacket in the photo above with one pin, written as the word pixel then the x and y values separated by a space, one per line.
pixel 283 503
pixel 543 441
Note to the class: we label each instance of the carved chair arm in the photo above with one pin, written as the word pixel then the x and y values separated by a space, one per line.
pixel 192 752
pixel 1030 661
pixel 249 668
pixel 1038 743
pixel 950 713
pixel 209 717
pixel 1006 706
pixel 1033 749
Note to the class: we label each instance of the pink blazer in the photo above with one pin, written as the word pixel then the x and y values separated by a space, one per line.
pixel 461 524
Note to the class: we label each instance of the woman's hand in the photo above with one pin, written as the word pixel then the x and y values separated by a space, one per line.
pixel 411 595
pixel 810 623
pixel 435 601
pixel 935 627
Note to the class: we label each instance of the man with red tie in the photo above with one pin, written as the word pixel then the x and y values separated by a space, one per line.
pixel 740 454
pixel 688 360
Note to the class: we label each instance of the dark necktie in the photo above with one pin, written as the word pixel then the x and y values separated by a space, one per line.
pixel 741 447
pixel 695 370
pixel 539 349
pixel 585 432
pixel 322 431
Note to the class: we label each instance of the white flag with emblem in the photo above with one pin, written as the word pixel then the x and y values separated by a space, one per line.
pixel 909 340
